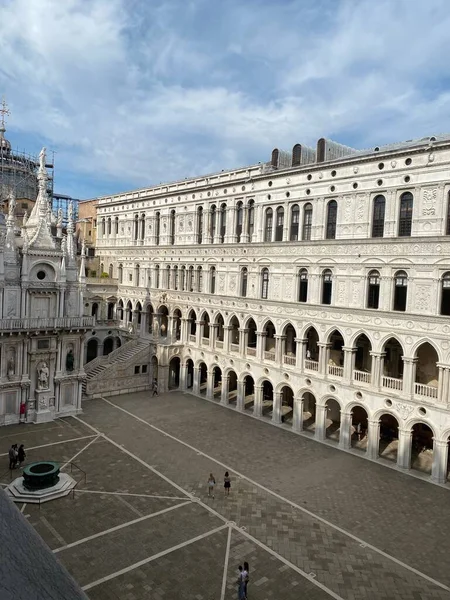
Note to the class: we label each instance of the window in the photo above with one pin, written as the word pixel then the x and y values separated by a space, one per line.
pixel 172 227
pixel 109 226
pixel 137 369
pixel 136 227
pixel 400 290
pixel 43 344
pixel 120 310
pixel 142 232
pixel 405 218
pixel 373 291
pixel 223 222
pixel 295 218
pixel 379 205
pixel 103 226
pixel 212 280
pixel 157 276
pixel 269 225
pixel 175 278
pixel 251 220
pixel 130 277
pixel 445 294
pixel 137 272
pixel 190 283
pixel 120 273
pixel 116 226
pixel 244 280
pixel 212 223
pixel 199 225
pixel 168 277
pixel 279 224
pixel 157 228
pixel 239 221
pixel 199 279
pixel 330 233
pixel 327 286
pixel 110 272
pixel 265 284
pixel 307 221
pixel 24 205
pixel 144 369
pixel 303 286
pixel 447 229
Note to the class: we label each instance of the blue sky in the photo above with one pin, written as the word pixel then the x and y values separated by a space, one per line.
pixel 130 93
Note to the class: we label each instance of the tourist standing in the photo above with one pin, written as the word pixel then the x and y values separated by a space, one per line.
pixel 155 388
pixel 241 584
pixel 227 483
pixel 246 577
pixel 21 455
pixel 211 484
pixel 23 412
pixel 13 456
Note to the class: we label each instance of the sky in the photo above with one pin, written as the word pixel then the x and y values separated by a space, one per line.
pixel 132 93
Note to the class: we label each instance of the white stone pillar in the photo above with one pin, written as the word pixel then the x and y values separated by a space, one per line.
pixel 257 408
pixel 373 438
pixel 244 234
pixel 226 338
pixel 324 355
pixel 375 375
pixel 207 226
pixel 297 419
pixel 300 353
pixel 320 432
pixel 404 448
pixel 230 233
pixel 240 404
pixel 260 344
pixel 279 347
pixel 216 239
pixel 409 376
pixel 224 393
pixel 198 333
pixel 276 407
pixel 243 337
pixel 349 363
pixel 196 384
pixel 183 376
pixel 440 459
pixel 210 385
pixel 345 441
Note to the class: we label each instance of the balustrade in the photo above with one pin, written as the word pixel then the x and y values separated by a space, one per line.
pixel 289 360
pixel 335 370
pixel 311 365
pixel 428 391
pixel 234 347
pixel 392 383
pixel 361 376
pixel 269 355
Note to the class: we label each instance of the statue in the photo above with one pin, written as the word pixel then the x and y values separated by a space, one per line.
pixel 69 360
pixel 11 366
pixel 25 217
pixel 59 221
pixel 42 157
pixel 43 374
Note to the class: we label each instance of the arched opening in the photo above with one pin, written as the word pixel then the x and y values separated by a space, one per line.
pixel 303 285
pixel 269 341
pixel 267 399
pixel 138 311
pixel 307 221
pixel 289 345
pixel 295 220
pixel 212 223
pixel 239 220
pixel 427 371
pixel 154 369
pixel 279 224
pixel 234 334
pixel 363 359
pixel 249 393
pixel 251 338
pixel 393 365
pixel 309 412
pixel 373 289
pixel 172 228
pixel 163 314
pixel 176 319
pixel 244 281
pixel 251 220
pixel 206 329
pixel 422 448
pixel 445 294
pixel 312 350
pixel 388 446
pixel 360 425
pixel 203 378
pixel 120 273
pixel 175 278
pixel 327 286
pixel 189 374
pixel 287 405
pixel 157 227
pixel 94 310
pixel 332 419
pixel 212 280
pixel 265 283
pixel 110 271
pixel 120 310
pixel 217 383
pixel 108 346
pixel 405 214
pixel 220 331
pixel 174 373
pixel 199 224
pixel 91 350
pixel 129 312
pixel 111 311
pixel 330 233
pixel 268 227
pixel 400 291
pixel 336 355
pixel 379 204
pixel 109 226
pixel 223 222
pixel 150 317
pixel 232 387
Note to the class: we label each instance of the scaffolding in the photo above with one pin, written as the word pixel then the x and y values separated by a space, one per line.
pixel 61 201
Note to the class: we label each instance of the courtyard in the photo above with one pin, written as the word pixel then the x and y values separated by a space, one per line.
pixel 312 521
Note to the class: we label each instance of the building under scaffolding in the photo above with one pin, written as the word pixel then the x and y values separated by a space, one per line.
pixel 61 201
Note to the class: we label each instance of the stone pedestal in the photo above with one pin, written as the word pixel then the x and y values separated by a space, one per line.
pixel 42 404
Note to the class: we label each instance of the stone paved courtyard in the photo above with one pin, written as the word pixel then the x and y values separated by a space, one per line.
pixel 312 521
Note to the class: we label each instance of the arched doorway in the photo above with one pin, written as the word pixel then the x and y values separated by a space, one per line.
pixel 332 419
pixel 111 311
pixel 203 378
pixel 363 360
pixel 138 311
pixel 174 373
pixel 251 338
pixel 189 374
pixel 336 355
pixel 192 326
pixel 91 350
pixel 309 412
pixel 312 350
pixel 289 345
pixel 392 365
pixel 234 334
pixel 219 322
pixel 388 446
pixel 94 310
pixel 360 424
pixel 287 405
pixel 267 399
pixel 163 315
pixel 427 372
pixel 269 341
pixel 422 448
pixel 232 387
pixel 129 312
pixel 249 393
pixel 205 328
pixel 177 324
pixel 154 369
pixel 108 346
pixel 217 383
pixel 150 316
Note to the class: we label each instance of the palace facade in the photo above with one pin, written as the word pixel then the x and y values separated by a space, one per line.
pixel 312 291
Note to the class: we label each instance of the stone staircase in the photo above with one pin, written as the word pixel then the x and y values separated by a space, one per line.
pixel 118 356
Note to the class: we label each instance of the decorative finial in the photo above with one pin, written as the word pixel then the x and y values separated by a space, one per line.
pixel 11 204
pixel 42 157
pixel 60 217
pixel 4 111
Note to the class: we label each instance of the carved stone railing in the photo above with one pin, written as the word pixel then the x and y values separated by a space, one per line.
pixel 234 347
pixel 428 391
pixel 289 360
pixel 109 358
pixel 219 344
pixel 335 370
pixel 251 351
pixel 269 355
pixel 392 383
pixel 46 323
pixel 361 376
pixel 311 365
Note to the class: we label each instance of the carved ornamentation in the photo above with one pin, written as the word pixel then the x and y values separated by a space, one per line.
pixel 423 297
pixel 429 197
pixel 403 409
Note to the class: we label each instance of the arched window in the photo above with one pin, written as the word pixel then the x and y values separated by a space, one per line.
pixel 295 219
pixel 116 225
pixel 103 227
pixel 239 220
pixel 212 280
pixel 94 310
pixel 303 286
pixel 212 223
pixel 157 228
pixel 120 310
pixel 157 276
pixel 307 221
pixel 136 227
pixel 296 155
pixel 244 280
pixel 447 228
pixel 190 283
pixel 199 225
pixel 110 272
pixel 142 233
pixel 137 273
pixel 379 206
pixel 172 227
pixel 251 219
pixel 268 226
pixel 405 217
pixel 265 283
pixel 331 220
pixel 445 294
pixel 327 286
pixel 373 289
pixel 109 226
pixel 279 225
pixel 129 311
pixel 168 277
pixel 120 273
pixel 199 279
pixel 175 277
pixel 223 222
pixel 400 290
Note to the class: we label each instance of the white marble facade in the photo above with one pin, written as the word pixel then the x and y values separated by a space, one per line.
pixel 42 326
pixel 313 289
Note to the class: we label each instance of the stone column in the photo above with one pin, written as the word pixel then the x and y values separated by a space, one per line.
pixel 321 412
pixel 276 407
pixel 279 346
pixel 230 234
pixel 61 302
pixel 196 383
pixel 373 438
pixel 260 344
pixel 300 353
pixel 324 356
pixel 349 363
pixel 297 420
pixel 376 369
pixel 216 239
pixel 198 332
pixel 213 329
pixel 244 234
pixel 183 376
pixel 243 337
pixel 224 394
pixel 210 385
pixel 404 448
pixel 184 330
pixel 345 431
pixel 240 405
pixel 286 223
pixel 440 459
pixel 257 409
pixel 226 338
pixel 207 226
pixel 409 376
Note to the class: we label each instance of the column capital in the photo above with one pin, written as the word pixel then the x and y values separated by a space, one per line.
pixel 440 443
pixel 278 336
pixel 261 333
pixel 442 365
pixel 373 421
pixel 324 344
pixel 301 340
pixel 377 354
pixel 349 349
pixel 405 432
pixel 409 359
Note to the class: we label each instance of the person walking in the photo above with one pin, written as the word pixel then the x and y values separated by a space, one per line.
pixel 12 456
pixel 246 577
pixel 21 455
pixel 155 388
pixel 227 483
pixel 241 584
pixel 211 484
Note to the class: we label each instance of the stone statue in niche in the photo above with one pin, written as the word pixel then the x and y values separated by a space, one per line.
pixel 11 365
pixel 69 360
pixel 43 374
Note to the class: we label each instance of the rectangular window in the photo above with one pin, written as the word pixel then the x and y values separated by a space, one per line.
pixel 43 344
pixel 307 225
pixel 137 370
pixel 303 292
pixel 373 296
pixel 130 276
pixel 144 368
